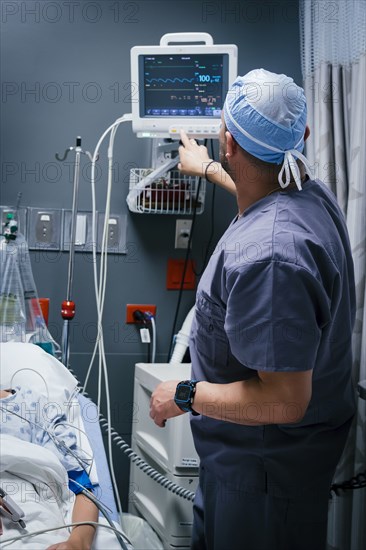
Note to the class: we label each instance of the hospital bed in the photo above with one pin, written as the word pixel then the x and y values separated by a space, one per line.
pixel 29 366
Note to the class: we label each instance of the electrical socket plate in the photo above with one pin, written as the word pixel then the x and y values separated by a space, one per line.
pixel 182 233
pixel 116 233
pixel 44 229
pixel 130 308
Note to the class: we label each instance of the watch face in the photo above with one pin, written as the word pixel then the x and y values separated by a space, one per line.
pixel 183 393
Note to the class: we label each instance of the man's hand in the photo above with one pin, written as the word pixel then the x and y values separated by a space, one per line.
pixel 194 160
pixel 162 406
pixel 193 157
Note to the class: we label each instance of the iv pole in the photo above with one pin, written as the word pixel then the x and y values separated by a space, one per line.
pixel 68 305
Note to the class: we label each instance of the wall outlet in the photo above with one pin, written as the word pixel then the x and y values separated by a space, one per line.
pixel 130 308
pixel 182 233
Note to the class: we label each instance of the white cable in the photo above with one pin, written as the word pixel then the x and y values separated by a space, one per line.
pixel 73 524
pixel 90 457
pixel 153 329
pixel 140 463
pixel 101 296
pixel 12 384
pixel 91 493
pixel 124 118
pixel 59 443
pixel 104 510
pixel 100 287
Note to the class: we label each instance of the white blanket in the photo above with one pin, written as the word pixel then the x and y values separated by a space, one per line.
pixel 38 483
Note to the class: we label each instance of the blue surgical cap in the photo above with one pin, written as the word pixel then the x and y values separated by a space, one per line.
pixel 266 114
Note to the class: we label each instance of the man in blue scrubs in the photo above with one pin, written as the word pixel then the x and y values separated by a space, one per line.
pixel 271 394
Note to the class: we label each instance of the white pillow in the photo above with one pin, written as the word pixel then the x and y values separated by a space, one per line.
pixel 29 366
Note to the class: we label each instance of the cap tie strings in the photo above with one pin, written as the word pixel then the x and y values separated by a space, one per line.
pixel 290 166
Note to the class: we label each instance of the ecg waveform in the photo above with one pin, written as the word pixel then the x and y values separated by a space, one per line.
pixel 172 80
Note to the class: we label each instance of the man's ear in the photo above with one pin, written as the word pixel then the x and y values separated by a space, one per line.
pixel 231 145
pixel 307 133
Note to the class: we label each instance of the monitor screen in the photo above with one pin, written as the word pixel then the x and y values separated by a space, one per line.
pixel 180 86
pixel 183 85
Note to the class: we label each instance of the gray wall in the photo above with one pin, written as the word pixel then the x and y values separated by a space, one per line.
pixel 67 52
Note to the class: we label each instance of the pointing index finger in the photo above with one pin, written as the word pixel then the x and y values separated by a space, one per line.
pixel 184 138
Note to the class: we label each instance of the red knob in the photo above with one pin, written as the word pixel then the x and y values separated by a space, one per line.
pixel 68 309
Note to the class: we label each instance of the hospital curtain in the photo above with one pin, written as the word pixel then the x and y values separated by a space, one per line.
pixel 333 52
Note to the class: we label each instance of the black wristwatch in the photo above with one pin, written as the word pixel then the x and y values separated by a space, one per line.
pixel 184 395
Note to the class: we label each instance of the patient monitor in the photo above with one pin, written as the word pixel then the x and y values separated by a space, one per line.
pixel 182 83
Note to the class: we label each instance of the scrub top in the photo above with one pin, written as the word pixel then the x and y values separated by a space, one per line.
pixel 278 295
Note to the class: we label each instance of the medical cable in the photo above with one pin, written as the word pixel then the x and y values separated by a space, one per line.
pixel 103 509
pixel 101 286
pixel 68 404
pixel 100 293
pixel 140 463
pixel 153 330
pixel 73 524
pixel 188 252
pixel 100 503
pixel 12 384
pixel 146 321
pixel 198 274
pixel 60 444
pixel 100 507
pixel 145 467
pixel 185 267
pixel 124 118
pixel 214 187
pixel 100 304
pixel 90 457
pixel 151 320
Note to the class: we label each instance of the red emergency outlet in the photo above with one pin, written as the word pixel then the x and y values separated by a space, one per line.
pixel 175 274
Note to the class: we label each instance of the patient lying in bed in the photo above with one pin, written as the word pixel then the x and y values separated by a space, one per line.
pixel 28 416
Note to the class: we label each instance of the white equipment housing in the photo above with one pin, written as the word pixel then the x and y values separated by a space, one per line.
pixel 170 451
pixel 181 86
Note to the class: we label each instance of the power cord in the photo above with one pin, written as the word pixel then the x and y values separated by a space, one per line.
pixel 199 273
pixel 188 251
pixel 146 320
pixel 356 482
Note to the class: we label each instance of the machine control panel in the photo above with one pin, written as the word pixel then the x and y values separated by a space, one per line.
pixel 200 132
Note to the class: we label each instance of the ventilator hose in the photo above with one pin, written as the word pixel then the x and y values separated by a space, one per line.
pixel 144 466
